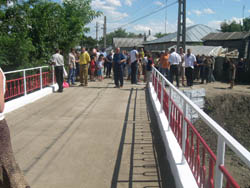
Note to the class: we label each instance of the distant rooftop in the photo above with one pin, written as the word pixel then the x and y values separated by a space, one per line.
pixel 193 34
pixel 127 42
pixel 226 36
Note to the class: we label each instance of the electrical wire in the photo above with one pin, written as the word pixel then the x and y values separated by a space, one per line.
pixel 147 15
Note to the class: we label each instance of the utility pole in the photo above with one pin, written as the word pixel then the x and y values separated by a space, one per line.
pixel 97 30
pixel 105 32
pixel 243 14
pixel 181 31
pixel 166 18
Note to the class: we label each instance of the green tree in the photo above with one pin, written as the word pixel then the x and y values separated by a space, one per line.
pixel 246 24
pixel 230 27
pixel 160 35
pixel 31 30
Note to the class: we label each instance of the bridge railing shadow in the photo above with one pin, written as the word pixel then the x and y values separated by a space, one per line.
pixel 137 162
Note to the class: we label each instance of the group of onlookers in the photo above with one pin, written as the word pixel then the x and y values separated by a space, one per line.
pixel 189 67
pixel 98 63
pixel 94 64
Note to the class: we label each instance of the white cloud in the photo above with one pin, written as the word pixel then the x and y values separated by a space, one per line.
pixel 197 12
pixel 142 28
pixel 214 24
pixel 158 3
pixel 128 2
pixel 208 11
pixel 237 20
pixel 189 22
pixel 109 9
pixel 202 12
pixel 249 10
pixel 114 2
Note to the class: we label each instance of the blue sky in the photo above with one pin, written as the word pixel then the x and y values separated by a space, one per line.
pixel 208 12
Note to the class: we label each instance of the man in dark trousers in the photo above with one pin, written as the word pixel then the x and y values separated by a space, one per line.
pixel 118 61
pixel 175 60
pixel 134 57
pixel 58 61
pixel 190 61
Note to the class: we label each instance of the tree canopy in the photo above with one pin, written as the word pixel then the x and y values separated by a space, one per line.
pixel 160 35
pixel 31 30
pixel 235 27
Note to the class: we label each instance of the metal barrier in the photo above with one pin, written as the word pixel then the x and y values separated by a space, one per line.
pixel 195 150
pixel 27 83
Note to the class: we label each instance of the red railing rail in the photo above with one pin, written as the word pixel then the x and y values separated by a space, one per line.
pixel 38 78
pixel 207 168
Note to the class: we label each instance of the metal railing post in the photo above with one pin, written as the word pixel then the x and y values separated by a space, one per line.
pixel 220 158
pixel 162 88
pixel 24 82
pixel 41 78
pixel 157 89
pixel 169 106
pixel 184 131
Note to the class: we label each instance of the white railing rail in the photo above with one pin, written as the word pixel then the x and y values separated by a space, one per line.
pixel 224 138
pixel 24 73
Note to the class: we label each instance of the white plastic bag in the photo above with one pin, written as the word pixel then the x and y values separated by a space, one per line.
pixel 65 74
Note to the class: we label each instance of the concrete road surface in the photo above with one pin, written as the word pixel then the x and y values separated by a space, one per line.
pixel 86 137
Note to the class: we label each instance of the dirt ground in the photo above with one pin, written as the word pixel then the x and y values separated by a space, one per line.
pixel 231 109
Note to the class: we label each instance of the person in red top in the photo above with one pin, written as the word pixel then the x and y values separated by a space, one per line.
pixel 92 68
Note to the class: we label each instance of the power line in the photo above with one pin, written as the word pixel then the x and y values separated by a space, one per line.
pixel 138 10
pixel 147 15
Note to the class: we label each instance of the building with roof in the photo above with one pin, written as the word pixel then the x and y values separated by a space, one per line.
pixel 194 34
pixel 231 40
pixel 127 43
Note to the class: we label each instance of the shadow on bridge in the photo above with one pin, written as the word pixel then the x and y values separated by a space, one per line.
pixel 140 159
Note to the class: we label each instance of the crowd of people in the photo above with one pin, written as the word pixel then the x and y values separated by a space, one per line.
pixel 95 65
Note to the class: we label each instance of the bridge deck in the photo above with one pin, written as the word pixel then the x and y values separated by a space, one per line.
pixel 95 137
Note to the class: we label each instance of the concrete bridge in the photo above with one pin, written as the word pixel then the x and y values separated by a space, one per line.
pixel 101 136
pixel 97 136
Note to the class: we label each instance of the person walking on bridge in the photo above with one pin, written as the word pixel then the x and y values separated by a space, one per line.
pixel 84 62
pixel 58 61
pixel 10 173
pixel 118 61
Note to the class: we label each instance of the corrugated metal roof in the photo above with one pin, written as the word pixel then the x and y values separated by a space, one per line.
pixel 226 36
pixel 193 34
pixel 127 42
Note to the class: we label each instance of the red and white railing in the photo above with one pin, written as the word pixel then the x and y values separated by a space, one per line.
pixel 208 169
pixel 21 82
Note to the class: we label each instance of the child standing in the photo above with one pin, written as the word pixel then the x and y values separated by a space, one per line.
pixel 100 63
pixel 92 68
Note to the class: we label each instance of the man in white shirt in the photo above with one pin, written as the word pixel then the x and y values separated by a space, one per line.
pixel 58 61
pixel 134 55
pixel 174 60
pixel 190 60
